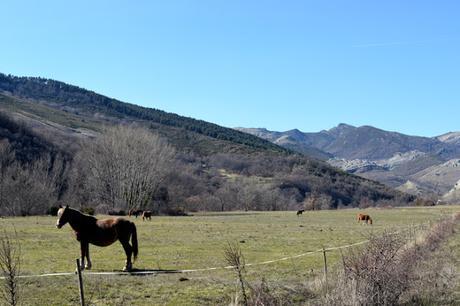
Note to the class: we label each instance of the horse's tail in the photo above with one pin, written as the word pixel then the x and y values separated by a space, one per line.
pixel 134 240
pixel 370 220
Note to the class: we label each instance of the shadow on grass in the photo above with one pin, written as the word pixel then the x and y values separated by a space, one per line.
pixel 228 214
pixel 138 272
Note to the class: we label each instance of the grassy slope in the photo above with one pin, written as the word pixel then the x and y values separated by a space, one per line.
pixel 42 112
pixel 75 99
pixel 196 242
pixel 53 118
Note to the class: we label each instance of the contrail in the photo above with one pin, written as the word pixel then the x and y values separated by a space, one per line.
pixel 389 44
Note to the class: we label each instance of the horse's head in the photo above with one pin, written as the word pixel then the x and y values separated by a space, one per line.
pixel 63 216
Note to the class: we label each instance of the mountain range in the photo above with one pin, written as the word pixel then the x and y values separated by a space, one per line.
pixel 428 166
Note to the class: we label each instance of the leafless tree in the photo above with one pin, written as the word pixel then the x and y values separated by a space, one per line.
pixel 30 188
pixel 127 164
pixel 227 196
pixel 6 158
pixel 234 257
pixel 10 263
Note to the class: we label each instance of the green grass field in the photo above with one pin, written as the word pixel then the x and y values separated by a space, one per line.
pixel 196 242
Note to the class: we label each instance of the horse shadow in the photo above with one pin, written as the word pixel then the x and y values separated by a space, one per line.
pixel 145 272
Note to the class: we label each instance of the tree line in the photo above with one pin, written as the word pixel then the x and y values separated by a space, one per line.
pixel 131 166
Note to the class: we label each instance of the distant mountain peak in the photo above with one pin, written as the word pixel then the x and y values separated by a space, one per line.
pixel 295 133
pixel 340 129
pixel 451 137
pixel 345 125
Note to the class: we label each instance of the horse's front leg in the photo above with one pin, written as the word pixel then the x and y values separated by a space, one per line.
pixel 88 260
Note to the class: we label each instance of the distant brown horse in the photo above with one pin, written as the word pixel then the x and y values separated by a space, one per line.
pixel 88 230
pixel 366 218
pixel 146 215
pixel 135 212
pixel 299 212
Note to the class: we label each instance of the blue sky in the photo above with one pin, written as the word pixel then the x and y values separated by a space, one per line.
pixel 276 64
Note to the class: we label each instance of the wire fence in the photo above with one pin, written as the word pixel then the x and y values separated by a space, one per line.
pixel 411 229
pixel 411 232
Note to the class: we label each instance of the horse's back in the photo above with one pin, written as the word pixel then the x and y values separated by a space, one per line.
pixel 109 230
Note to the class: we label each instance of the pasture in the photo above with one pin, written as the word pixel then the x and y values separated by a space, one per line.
pixel 194 242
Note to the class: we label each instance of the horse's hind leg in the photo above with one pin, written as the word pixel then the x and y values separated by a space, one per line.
pixel 129 251
pixel 84 249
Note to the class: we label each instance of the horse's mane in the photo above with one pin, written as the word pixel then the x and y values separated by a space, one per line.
pixel 79 213
pixel 77 218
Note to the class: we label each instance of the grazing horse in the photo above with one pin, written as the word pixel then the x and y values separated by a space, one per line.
pixel 146 215
pixel 88 230
pixel 135 212
pixel 366 218
pixel 299 212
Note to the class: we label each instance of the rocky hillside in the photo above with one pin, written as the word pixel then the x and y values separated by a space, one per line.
pixel 419 165
pixel 451 137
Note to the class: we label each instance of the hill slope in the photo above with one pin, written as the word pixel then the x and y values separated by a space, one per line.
pixel 63 114
pixel 76 100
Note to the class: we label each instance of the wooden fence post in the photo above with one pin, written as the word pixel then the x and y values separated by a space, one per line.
pixel 80 284
pixel 325 268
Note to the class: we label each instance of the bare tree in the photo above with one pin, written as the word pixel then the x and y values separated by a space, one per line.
pixel 6 158
pixel 30 188
pixel 127 164
pixel 226 196
pixel 234 257
pixel 10 263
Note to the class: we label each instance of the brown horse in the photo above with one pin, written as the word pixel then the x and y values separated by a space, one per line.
pixel 135 212
pixel 88 230
pixel 299 212
pixel 146 215
pixel 366 218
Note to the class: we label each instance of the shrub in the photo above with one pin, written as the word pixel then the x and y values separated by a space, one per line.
pixel 176 212
pixel 117 213
pixel 88 210
pixel 10 264
pixel 52 211
pixel 393 268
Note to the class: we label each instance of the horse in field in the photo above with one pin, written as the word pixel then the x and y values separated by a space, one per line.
pixel 365 218
pixel 146 215
pixel 135 212
pixel 102 233
pixel 299 212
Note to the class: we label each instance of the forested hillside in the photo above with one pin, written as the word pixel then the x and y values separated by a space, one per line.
pixel 75 99
pixel 94 152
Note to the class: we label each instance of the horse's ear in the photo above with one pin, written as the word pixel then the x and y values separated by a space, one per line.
pixel 67 206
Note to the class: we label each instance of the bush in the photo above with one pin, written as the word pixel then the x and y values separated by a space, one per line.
pixel 88 210
pixel 117 213
pixel 424 202
pixel 52 211
pixel 176 212
pixel 393 269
